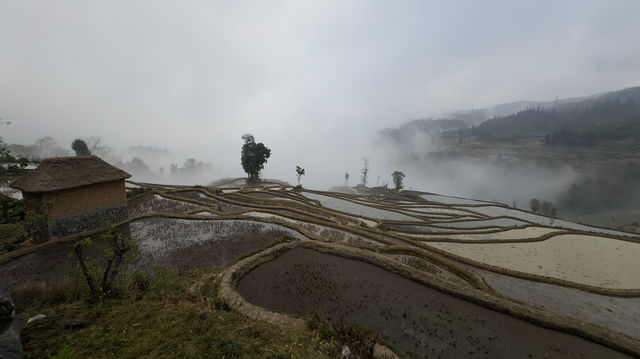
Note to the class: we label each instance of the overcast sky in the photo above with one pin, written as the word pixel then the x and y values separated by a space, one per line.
pixel 313 80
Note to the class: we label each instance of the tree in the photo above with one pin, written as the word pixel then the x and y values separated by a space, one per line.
pixel 346 179
pixel 80 147
pixel 100 278
pixel 47 147
pixel 397 179
pixel 299 173
pixel 534 205
pixel 253 157
pixel 364 171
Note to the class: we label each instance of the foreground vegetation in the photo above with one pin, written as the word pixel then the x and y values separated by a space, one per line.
pixel 164 314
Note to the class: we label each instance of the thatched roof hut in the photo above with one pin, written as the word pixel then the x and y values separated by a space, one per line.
pixel 58 173
pixel 75 193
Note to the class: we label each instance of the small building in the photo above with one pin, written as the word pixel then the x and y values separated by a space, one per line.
pixel 76 193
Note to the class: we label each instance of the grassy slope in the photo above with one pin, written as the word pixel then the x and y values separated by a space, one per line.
pixel 168 315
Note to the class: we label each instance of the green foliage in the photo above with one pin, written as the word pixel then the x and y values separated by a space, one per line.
pixel 172 315
pixel 572 138
pixel 361 341
pixel 66 352
pixel 35 224
pixel 230 348
pixel 101 276
pixel 80 147
pixel 579 124
pixel 398 177
pixel 11 210
pixel 138 191
pixel 253 157
pixel 322 326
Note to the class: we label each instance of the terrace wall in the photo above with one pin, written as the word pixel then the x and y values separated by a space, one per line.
pixel 81 222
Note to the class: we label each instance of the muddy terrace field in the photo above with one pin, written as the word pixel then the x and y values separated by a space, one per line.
pixel 412 316
pixel 496 281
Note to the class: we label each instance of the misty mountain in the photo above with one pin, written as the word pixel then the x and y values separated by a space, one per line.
pixel 611 115
pixel 414 127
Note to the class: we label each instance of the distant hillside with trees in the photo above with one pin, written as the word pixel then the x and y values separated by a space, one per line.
pixel 582 126
pixel 581 121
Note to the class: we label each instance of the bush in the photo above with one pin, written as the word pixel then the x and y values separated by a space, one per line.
pixel 230 348
pixel 322 326
pixel 35 224
pixel 100 277
pixel 11 210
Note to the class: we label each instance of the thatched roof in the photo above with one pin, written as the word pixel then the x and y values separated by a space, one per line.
pixel 59 173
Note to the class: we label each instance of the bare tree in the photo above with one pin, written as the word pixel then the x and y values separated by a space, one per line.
pixel 364 171
pixel 346 179
pixel 299 173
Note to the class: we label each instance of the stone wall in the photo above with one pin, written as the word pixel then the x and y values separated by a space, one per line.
pixel 86 221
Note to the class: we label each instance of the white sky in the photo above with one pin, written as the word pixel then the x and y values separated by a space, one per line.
pixel 313 80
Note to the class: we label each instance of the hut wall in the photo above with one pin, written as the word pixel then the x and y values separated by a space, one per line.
pixel 84 199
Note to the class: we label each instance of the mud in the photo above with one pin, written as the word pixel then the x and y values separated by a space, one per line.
pixel 417 319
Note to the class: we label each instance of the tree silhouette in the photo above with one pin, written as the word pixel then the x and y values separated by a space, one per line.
pixel 364 171
pixel 397 179
pixel 80 147
pixel 299 173
pixel 253 157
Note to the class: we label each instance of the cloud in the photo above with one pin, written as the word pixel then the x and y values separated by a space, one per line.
pixel 312 80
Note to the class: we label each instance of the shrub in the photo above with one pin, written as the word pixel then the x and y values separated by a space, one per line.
pixel 11 210
pixel 100 278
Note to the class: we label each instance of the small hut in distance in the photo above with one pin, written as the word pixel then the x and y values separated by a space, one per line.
pixel 75 193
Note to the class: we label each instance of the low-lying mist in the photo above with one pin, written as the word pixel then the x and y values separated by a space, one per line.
pixel 427 163
pixel 428 167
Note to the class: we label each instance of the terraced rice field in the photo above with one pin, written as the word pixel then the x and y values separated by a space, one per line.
pixel 342 205
pixel 479 267
pixel 594 261
pixel 509 235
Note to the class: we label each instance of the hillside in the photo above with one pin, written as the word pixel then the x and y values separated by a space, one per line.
pixel 594 137
pixel 271 271
pixel 611 116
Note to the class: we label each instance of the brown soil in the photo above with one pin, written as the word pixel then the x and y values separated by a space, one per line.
pixel 415 318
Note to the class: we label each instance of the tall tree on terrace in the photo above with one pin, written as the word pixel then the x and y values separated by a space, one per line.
pixel 254 156
pixel 397 179
pixel 80 147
